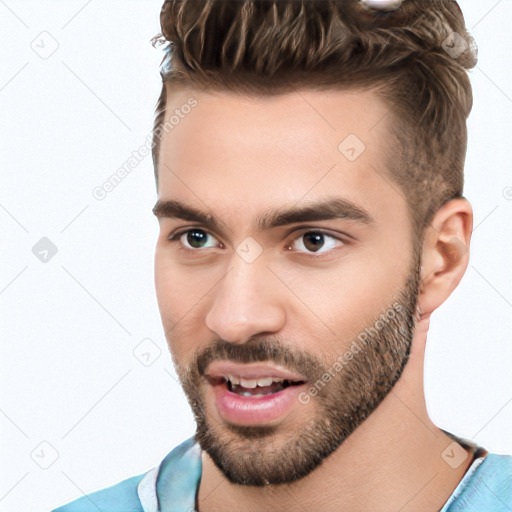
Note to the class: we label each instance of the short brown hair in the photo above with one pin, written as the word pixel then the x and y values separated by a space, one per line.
pixel 266 47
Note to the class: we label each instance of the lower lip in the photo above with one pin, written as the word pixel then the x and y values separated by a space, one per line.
pixel 253 410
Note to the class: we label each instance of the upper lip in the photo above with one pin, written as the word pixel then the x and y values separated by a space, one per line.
pixel 221 369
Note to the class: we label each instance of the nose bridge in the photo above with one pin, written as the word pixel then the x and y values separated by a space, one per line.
pixel 243 304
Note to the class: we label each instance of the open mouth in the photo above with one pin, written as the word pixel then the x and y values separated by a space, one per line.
pixel 253 387
pixel 253 394
pixel 260 387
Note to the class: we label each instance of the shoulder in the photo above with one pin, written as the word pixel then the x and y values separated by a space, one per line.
pixel 496 472
pixel 177 474
pixel 489 487
pixel 121 496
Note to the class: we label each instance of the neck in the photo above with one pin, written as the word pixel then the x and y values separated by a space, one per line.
pixel 391 462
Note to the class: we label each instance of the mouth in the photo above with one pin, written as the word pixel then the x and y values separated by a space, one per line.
pixel 254 387
pixel 253 394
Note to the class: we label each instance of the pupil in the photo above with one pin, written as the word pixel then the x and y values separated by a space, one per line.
pixel 313 241
pixel 195 237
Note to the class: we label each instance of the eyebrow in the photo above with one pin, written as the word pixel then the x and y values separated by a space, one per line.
pixel 324 209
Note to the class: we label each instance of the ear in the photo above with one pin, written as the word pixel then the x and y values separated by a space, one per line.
pixel 445 253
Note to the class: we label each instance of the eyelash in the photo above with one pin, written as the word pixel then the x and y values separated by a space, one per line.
pixel 176 238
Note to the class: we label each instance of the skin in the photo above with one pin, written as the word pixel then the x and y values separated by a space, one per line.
pixel 236 157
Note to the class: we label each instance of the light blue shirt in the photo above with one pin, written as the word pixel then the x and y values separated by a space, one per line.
pixel 172 487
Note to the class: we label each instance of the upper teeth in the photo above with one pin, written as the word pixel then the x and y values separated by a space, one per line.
pixel 252 383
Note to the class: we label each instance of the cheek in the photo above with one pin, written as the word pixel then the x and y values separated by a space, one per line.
pixel 163 280
pixel 339 302
pixel 182 294
pixel 172 289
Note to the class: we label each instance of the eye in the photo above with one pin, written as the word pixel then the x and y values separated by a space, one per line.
pixel 313 241
pixel 316 242
pixel 194 239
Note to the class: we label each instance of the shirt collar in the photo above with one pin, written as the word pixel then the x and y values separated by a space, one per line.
pixel 179 476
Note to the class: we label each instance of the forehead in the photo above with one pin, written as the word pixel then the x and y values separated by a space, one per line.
pixel 238 151
pixel 302 119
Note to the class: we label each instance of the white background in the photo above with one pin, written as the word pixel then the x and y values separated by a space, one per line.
pixel 69 326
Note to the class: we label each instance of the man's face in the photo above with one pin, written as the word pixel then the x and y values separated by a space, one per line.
pixel 272 283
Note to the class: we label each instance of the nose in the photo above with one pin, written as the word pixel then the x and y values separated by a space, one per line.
pixel 246 303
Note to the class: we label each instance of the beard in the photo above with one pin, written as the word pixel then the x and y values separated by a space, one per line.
pixel 264 455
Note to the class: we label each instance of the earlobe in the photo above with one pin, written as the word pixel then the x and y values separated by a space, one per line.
pixel 445 253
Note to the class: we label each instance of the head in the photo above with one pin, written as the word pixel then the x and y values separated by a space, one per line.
pixel 309 159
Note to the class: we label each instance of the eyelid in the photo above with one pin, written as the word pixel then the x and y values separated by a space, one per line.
pixel 302 230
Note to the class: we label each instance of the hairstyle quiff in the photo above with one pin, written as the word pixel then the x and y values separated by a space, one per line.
pixel 268 47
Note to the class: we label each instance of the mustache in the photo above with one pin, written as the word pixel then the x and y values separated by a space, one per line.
pixel 260 350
